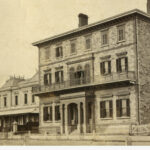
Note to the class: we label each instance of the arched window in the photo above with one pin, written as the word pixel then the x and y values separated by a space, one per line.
pixel 87 73
pixel 72 76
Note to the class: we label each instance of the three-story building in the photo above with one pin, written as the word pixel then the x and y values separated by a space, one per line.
pixel 96 78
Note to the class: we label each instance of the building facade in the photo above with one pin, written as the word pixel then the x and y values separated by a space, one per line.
pixel 18 105
pixel 96 78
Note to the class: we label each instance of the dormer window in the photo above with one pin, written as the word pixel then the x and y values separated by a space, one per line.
pixel 59 52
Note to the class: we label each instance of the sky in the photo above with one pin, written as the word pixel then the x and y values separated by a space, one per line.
pixel 26 21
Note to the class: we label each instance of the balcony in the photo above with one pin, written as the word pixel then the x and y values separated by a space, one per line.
pixel 84 82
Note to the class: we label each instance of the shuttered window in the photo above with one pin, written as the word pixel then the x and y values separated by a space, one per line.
pixel 47 113
pixel 123 108
pixel 47 78
pixel 105 67
pixel 106 109
pixel 122 64
pixel 59 52
pixel 59 76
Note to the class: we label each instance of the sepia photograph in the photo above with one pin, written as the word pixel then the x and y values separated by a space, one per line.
pixel 75 73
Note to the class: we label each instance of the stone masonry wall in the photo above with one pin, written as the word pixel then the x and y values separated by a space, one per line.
pixel 143 48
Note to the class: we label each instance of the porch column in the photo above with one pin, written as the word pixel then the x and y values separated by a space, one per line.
pixel 79 119
pixel 53 112
pixel 66 119
pixel 84 118
pixel 114 107
pixel 61 114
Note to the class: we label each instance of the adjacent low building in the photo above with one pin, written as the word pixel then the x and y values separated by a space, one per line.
pixel 18 105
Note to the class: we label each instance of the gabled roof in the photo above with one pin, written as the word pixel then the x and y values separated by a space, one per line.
pixel 134 11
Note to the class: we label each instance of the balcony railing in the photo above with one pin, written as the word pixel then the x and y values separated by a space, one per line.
pixel 90 81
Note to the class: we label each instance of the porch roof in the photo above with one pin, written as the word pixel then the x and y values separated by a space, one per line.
pixel 19 111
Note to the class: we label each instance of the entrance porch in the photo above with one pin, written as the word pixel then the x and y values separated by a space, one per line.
pixel 77 115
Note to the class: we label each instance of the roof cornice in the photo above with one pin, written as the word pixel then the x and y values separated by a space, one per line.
pixel 128 13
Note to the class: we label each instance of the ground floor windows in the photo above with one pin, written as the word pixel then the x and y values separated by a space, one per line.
pixel 123 108
pixel 106 109
pixel 48 113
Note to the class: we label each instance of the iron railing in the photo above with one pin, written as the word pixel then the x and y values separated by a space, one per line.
pixel 98 79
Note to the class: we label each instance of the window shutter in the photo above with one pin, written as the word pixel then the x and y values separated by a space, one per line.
pixel 62 76
pixel 118 107
pixel 61 51
pixel 128 107
pixel 50 78
pixel 110 109
pixel 126 63
pixel 109 67
pixel 45 79
pixel 120 68
pixel 117 65
pixel 56 77
pixel 101 68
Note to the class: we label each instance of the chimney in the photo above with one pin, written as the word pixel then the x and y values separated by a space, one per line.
pixel 83 20
pixel 148 7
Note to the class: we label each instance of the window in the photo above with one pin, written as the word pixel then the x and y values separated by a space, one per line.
pixel 47 53
pixel 122 64
pixel 57 113
pixel 104 37
pixel 106 109
pixel 5 101
pixel 105 67
pixel 59 76
pixel 121 33
pixel 33 99
pixel 88 43
pixel 25 98
pixel 59 52
pixel 47 79
pixel 73 47
pixel 47 113
pixel 123 108
pixel 16 100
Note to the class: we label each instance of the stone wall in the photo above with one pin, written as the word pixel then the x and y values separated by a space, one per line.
pixel 143 48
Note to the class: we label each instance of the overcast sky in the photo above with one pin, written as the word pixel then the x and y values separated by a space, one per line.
pixel 26 21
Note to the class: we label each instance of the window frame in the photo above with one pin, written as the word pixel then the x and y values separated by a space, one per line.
pixel 57 113
pixel 73 51
pixel 119 28
pixel 88 45
pixel 103 111
pixel 106 41
pixel 119 110
pixel 5 101
pixel 47 53
pixel 103 69
pixel 47 78
pixel 119 66
pixel 59 52
pixel 48 113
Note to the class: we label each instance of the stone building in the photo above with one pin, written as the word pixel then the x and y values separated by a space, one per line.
pixel 96 78
pixel 18 104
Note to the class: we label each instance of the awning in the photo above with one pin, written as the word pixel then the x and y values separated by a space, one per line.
pixel 19 111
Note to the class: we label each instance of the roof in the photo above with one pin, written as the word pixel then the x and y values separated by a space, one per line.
pixel 134 11
pixel 17 81
pixel 19 111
